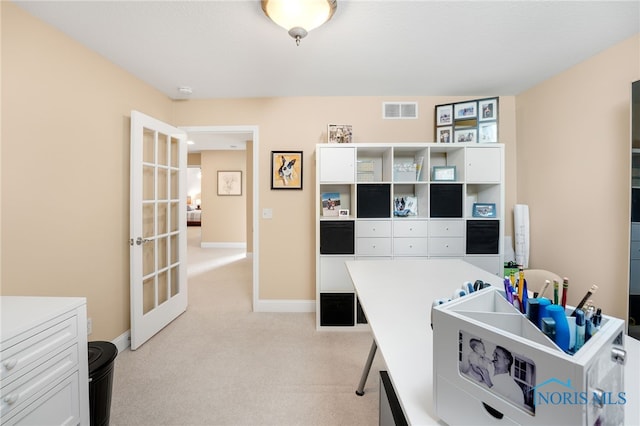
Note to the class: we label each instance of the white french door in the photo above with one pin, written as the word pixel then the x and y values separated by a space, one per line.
pixel 158 226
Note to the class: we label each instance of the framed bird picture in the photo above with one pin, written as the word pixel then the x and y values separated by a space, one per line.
pixel 286 169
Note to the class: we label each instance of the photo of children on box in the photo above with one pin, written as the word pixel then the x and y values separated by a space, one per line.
pixel 499 369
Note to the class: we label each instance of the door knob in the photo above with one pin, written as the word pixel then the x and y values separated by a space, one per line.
pixel 140 240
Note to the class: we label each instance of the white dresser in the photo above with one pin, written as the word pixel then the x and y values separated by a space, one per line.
pixel 44 376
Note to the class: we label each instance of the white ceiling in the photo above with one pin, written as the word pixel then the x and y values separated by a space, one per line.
pixel 229 49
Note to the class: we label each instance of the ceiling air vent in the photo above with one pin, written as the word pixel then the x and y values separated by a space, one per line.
pixel 399 110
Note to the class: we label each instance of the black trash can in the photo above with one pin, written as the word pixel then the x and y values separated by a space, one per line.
pixel 101 357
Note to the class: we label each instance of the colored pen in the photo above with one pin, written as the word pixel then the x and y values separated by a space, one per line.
pixel 565 289
pixel 592 290
pixel 556 286
pixel 521 286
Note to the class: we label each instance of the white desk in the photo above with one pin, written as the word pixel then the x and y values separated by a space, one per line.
pixel 396 296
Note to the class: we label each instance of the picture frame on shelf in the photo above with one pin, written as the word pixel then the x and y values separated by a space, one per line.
pixel 488 109
pixel 444 134
pixel 488 132
pixel 443 173
pixel 286 169
pixel 465 110
pixel 339 133
pixel 229 182
pixel 330 202
pixel 343 212
pixel 484 210
pixel 466 135
pixel 444 114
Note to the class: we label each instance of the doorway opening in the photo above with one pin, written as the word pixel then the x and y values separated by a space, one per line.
pixel 234 138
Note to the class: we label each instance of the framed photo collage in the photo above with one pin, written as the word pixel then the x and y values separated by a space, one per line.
pixel 473 121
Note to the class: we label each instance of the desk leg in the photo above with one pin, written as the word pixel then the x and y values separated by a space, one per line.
pixel 367 368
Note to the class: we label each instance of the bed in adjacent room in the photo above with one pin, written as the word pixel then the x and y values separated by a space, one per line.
pixel 193 216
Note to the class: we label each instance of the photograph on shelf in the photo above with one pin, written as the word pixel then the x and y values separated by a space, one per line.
pixel 484 210
pixel 488 132
pixel 498 369
pixel 444 114
pixel 444 134
pixel 465 110
pixel 339 133
pixel 343 212
pixel 443 173
pixel 229 182
pixel 488 109
pixel 286 169
pixel 331 204
pixel 405 206
pixel 465 135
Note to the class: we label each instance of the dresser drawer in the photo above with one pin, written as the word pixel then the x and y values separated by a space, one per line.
pixel 446 246
pixel 635 249
pixel 446 228
pixel 373 246
pixel 18 357
pixel 373 228
pixel 38 380
pixel 410 246
pixel 410 228
pixel 57 406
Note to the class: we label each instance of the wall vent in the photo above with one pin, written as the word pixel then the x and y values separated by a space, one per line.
pixel 399 110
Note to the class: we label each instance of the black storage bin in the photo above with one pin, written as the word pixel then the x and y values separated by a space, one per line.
pixel 483 236
pixel 337 309
pixel 446 200
pixel 635 205
pixel 374 200
pixel 101 358
pixel 337 237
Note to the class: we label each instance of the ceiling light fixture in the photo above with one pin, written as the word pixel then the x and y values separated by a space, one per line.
pixel 299 16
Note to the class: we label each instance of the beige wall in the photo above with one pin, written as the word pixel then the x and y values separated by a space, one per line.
pixel 65 134
pixel 65 169
pixel 223 217
pixel 573 170
pixel 299 124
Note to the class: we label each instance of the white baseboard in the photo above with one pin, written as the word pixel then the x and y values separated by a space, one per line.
pixel 285 306
pixel 123 341
pixel 223 245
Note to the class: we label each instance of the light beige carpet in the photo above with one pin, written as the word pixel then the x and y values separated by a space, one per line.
pixel 221 364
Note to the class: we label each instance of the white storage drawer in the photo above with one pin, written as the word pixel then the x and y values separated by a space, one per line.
pixel 446 228
pixel 337 164
pixel 446 246
pixel 635 231
pixel 635 249
pixel 18 357
pixel 43 353
pixel 373 246
pixel 334 275
pixel 373 228
pixel 410 246
pixel 410 228
pixel 58 406
pixel 484 164
pixel 25 388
